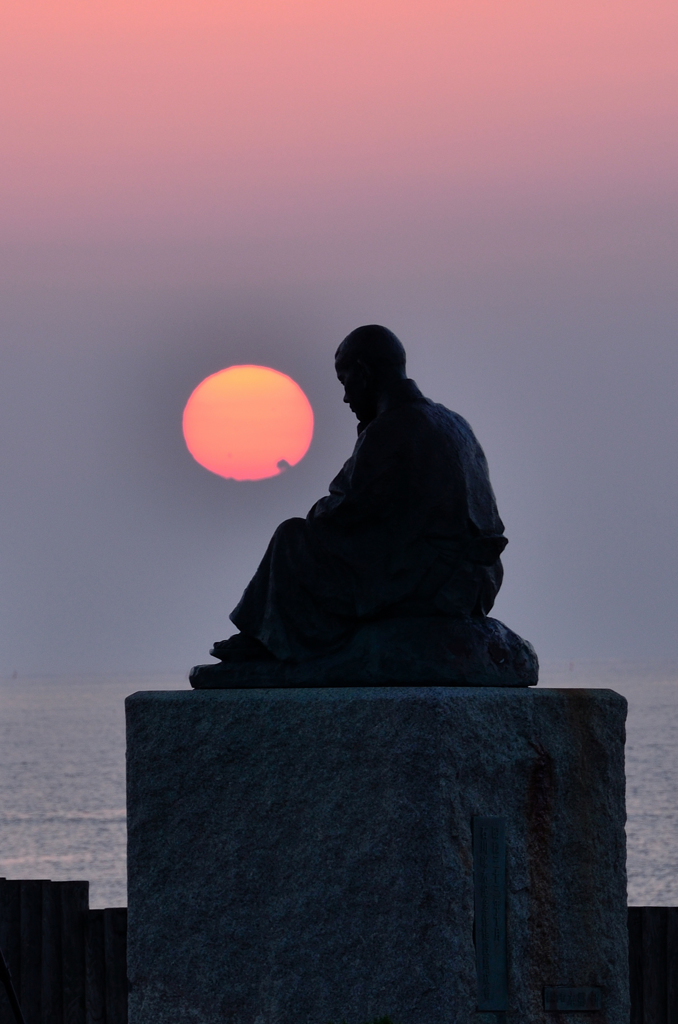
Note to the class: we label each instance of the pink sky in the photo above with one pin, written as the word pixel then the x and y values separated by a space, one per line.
pixel 183 116
pixel 190 184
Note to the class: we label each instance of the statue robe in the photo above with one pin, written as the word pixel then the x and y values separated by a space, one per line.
pixel 410 528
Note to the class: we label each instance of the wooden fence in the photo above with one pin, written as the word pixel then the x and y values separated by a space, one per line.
pixel 68 962
pixel 653 964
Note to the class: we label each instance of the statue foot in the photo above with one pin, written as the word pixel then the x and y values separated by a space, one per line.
pixel 241 647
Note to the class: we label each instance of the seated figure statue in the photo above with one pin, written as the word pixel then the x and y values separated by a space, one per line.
pixel 389 579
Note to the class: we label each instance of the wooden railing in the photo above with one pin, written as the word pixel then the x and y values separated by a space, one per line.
pixel 653 964
pixel 68 963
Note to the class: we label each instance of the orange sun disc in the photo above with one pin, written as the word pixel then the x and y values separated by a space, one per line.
pixel 248 423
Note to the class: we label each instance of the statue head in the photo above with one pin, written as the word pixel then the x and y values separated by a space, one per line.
pixel 367 362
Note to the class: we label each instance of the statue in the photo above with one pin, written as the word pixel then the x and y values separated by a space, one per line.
pixel 402 556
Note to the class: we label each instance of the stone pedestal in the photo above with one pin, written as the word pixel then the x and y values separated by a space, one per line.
pixel 306 856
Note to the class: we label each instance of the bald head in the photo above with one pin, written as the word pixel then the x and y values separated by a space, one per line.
pixel 369 363
pixel 375 347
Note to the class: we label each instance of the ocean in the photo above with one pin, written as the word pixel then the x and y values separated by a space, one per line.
pixel 62 775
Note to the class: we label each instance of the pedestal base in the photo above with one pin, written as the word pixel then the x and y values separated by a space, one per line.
pixel 306 856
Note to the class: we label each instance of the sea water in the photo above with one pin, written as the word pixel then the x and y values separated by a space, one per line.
pixel 62 775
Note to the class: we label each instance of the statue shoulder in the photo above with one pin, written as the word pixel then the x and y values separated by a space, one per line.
pixel 421 426
pixel 429 417
pixel 454 424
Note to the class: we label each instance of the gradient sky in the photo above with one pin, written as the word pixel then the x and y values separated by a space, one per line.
pixel 188 185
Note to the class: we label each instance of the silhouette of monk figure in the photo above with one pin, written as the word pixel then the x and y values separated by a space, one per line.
pixel 409 530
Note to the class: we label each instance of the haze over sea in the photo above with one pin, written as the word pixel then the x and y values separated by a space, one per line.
pixel 62 774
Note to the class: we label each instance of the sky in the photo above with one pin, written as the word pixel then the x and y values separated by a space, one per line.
pixel 188 185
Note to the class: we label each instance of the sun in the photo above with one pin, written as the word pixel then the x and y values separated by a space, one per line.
pixel 248 423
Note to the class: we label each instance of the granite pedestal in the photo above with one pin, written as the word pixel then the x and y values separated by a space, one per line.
pixel 307 855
